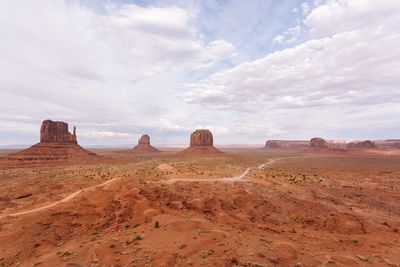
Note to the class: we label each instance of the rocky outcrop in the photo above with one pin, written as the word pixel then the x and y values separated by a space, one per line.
pixel 144 147
pixel 318 142
pixel 388 144
pixel 56 132
pixel 144 140
pixel 289 144
pixel 201 142
pixel 56 143
pixel 272 144
pixel 201 138
pixel 361 145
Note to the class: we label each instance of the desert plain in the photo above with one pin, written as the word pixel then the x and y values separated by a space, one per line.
pixel 244 207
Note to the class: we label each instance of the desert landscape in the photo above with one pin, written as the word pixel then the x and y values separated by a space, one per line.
pixel 290 206
pixel 199 133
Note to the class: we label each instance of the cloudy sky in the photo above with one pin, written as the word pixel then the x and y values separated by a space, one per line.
pixel 247 70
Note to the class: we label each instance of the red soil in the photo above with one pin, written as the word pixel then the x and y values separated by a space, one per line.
pixel 303 210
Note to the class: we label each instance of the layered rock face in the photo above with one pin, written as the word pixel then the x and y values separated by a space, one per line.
pixel 272 144
pixel 286 144
pixel 144 140
pixel 56 143
pixel 56 132
pixel 144 147
pixel 201 142
pixel 388 144
pixel 201 138
pixel 361 145
pixel 318 142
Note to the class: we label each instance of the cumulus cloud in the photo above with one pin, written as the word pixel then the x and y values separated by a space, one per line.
pixel 120 70
pixel 339 69
pixel 64 60
pixel 343 15
pixel 305 8
pixel 351 61
pixel 279 39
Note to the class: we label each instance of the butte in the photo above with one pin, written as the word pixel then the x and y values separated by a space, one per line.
pixel 201 143
pixel 318 143
pixel 56 143
pixel 144 147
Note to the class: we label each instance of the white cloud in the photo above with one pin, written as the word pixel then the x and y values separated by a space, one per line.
pixel 279 39
pixel 353 65
pixel 219 49
pixel 289 36
pixel 125 69
pixel 305 8
pixel 63 60
pixel 343 15
pixel 105 134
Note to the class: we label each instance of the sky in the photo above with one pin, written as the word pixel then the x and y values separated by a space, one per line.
pixel 247 70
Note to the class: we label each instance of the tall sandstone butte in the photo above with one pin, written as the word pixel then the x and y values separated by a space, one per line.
pixel 318 142
pixel 201 142
pixel 56 143
pixel 56 132
pixel 144 140
pixel 144 147
pixel 201 138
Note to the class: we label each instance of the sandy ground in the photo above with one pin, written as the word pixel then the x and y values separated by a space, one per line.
pixel 248 207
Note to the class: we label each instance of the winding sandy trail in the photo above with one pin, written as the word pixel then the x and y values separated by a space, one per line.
pixel 172 181
pixel 67 198
pixel 225 179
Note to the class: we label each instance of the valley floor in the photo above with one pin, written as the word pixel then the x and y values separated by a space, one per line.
pixel 244 208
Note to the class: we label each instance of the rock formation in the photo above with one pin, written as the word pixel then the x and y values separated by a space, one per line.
pixel 144 147
pixel 294 144
pixel 56 132
pixel 318 142
pixel 388 144
pixel 272 144
pixel 144 140
pixel 201 142
pixel 56 143
pixel 361 145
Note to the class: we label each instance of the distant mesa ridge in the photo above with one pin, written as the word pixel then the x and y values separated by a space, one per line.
pixel 361 145
pixel 287 144
pixel 56 143
pixel 320 143
pixel 201 142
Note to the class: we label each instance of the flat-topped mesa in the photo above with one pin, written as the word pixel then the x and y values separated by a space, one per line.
pixel 361 145
pixel 287 144
pixel 143 146
pixel 272 144
pixel 56 132
pixel 389 143
pixel 201 142
pixel 318 142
